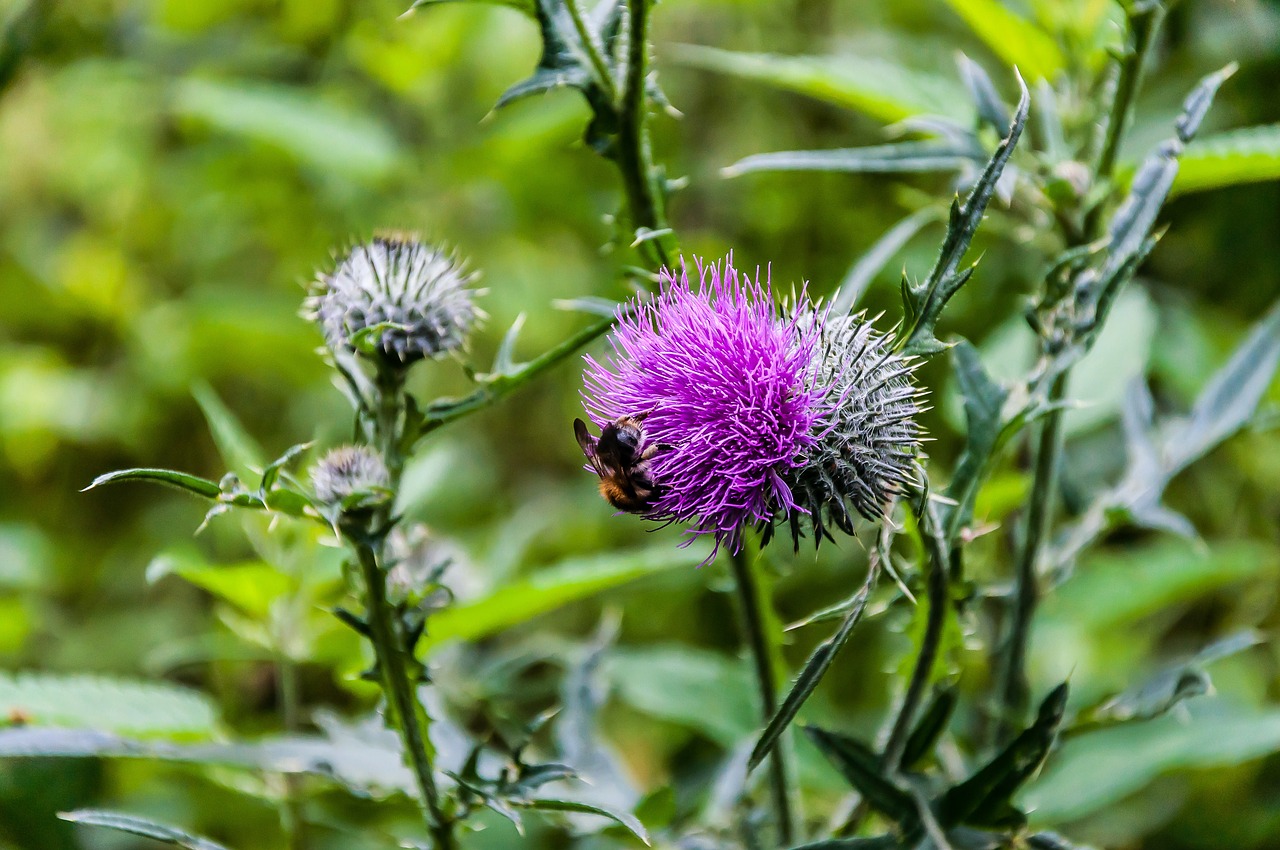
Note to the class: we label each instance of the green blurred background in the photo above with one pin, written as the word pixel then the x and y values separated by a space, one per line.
pixel 173 173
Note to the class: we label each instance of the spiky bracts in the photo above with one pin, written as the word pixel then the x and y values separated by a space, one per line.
pixel 867 450
pixel 397 299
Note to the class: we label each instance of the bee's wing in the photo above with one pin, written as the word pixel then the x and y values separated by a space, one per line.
pixel 588 444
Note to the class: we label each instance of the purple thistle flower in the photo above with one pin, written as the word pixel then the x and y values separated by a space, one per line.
pixel 726 388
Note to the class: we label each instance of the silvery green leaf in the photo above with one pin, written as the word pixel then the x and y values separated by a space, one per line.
pixel 991 109
pixel 135 825
pixel 504 361
pixel 900 157
pixel 591 304
pixel 860 275
pixel 624 819
pixel 1229 400
pixel 194 484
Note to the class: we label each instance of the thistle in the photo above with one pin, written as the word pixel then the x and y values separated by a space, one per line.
pixel 395 298
pixel 349 474
pixel 726 386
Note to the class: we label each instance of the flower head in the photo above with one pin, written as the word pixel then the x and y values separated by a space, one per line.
pixel 726 388
pixel 410 300
pixel 865 452
pixel 347 471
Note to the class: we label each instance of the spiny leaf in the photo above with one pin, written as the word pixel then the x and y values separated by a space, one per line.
pixel 624 819
pixel 1231 396
pixel 984 401
pixel 901 157
pixel 924 304
pixel 814 669
pixel 135 825
pixel 983 798
pixel 929 727
pixel 860 766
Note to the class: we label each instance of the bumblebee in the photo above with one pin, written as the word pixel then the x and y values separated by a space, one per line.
pixel 621 460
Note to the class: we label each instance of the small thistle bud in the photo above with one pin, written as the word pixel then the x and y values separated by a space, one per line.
pixel 397 297
pixel 865 451
pixel 346 472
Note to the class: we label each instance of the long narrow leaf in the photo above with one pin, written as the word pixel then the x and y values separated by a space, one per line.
pixel 624 819
pixel 134 825
pixel 814 669
pixel 902 157
pixel 181 480
pixel 860 275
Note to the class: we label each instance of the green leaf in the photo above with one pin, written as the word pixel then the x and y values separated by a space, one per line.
pixel 563 63
pixel 317 134
pixel 1092 771
pixel 677 683
pixel 984 798
pixel 1245 155
pixel 811 675
pixel 860 275
pixel 135 825
pixel 239 450
pixel 525 6
pixel 984 401
pixel 1017 41
pixel 991 109
pixel 1229 400
pixel 923 305
pixel 181 480
pixel 860 766
pixel 253 587
pixel 628 821
pixel 902 157
pixel 1115 588
pixel 929 727
pixel 550 588
pixel 149 709
pixel 883 90
pixel 364 757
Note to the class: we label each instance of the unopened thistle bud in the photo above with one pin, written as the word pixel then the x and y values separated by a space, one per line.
pixel 347 472
pixel 397 298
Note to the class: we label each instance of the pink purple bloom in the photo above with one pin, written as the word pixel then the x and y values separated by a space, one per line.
pixel 760 416
pixel 727 385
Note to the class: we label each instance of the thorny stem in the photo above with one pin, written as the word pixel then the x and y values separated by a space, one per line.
pixel 1015 691
pixel 930 644
pixel 753 628
pixel 634 155
pixel 394 657
pixel 1144 19
pixel 936 589
pixel 388 646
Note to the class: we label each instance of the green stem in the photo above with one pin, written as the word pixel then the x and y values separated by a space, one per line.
pixel 931 642
pixel 292 818
pixel 1144 20
pixel 753 627
pixel 930 646
pixel 634 155
pixel 1015 691
pixel 397 686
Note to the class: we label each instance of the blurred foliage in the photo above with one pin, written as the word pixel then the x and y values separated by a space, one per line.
pixel 171 172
